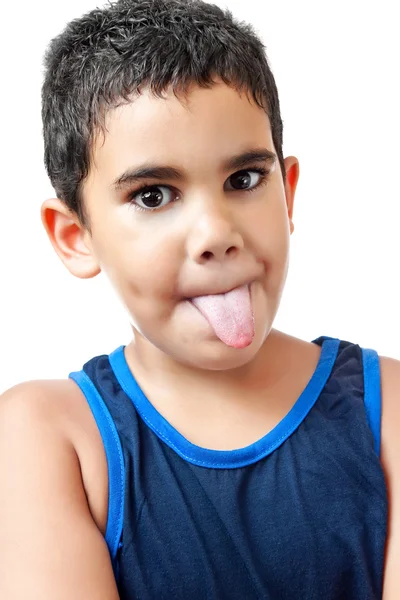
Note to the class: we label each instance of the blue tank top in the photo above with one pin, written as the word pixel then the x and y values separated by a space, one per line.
pixel 301 514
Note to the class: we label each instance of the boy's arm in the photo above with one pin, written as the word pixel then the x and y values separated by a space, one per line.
pixel 50 547
pixel 390 456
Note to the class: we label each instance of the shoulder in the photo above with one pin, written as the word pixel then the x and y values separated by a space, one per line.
pixel 35 406
pixel 56 412
pixel 38 400
pixel 44 466
pixel 390 371
pixel 390 388
pixel 58 404
pixel 390 458
pixel 390 424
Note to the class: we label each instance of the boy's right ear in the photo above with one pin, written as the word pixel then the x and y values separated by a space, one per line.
pixel 69 238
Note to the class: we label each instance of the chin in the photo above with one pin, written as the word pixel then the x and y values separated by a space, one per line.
pixel 214 355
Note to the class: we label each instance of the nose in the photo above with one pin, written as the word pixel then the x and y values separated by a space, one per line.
pixel 214 236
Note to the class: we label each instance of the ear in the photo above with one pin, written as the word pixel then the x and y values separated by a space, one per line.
pixel 292 177
pixel 69 238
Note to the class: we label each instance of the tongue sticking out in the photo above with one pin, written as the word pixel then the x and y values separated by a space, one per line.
pixel 230 315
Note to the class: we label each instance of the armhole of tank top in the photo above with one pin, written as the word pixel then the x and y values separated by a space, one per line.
pixel 372 394
pixel 115 463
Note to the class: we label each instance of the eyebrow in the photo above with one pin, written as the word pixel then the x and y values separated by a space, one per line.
pixel 153 171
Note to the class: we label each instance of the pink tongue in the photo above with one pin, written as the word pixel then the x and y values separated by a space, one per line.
pixel 230 315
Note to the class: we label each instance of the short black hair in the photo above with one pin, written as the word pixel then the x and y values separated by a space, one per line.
pixel 108 55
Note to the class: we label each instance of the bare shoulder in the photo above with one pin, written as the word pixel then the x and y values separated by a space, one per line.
pixel 49 448
pixel 390 387
pixel 59 405
pixel 41 399
pixel 390 457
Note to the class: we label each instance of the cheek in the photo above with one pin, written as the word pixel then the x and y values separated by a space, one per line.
pixel 271 236
pixel 140 259
pixel 144 266
pixel 270 231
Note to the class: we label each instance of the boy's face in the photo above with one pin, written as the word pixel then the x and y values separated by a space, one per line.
pixel 208 234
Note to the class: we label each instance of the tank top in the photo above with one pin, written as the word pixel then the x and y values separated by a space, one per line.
pixel 300 514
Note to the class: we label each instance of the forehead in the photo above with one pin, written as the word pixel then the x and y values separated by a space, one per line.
pixel 207 126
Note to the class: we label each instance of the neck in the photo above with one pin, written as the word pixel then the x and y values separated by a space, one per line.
pixel 265 371
pixel 226 409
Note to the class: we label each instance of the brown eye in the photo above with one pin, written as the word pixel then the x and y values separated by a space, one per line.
pixel 246 179
pixel 151 198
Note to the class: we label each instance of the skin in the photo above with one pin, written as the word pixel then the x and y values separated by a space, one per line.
pixel 211 239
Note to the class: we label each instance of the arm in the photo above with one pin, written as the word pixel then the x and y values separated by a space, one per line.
pixel 390 456
pixel 50 547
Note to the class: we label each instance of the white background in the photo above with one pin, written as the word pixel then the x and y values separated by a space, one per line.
pixel 337 71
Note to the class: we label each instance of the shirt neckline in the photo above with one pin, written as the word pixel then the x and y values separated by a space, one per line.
pixel 222 459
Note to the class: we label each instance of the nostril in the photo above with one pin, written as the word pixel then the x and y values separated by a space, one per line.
pixel 207 255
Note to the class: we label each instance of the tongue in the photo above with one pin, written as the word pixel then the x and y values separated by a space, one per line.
pixel 230 315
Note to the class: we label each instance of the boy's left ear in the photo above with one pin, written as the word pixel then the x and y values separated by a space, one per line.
pixel 292 177
pixel 70 239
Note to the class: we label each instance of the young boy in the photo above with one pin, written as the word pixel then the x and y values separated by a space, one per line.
pixel 213 457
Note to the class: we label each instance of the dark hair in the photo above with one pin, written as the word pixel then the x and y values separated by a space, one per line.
pixel 105 57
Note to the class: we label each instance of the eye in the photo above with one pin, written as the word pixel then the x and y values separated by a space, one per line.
pixel 247 180
pixel 152 197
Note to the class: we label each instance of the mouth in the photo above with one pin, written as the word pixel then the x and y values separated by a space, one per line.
pixel 230 315
pixel 218 291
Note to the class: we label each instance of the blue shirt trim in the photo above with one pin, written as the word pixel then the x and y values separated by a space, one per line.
pixel 372 394
pixel 115 462
pixel 226 459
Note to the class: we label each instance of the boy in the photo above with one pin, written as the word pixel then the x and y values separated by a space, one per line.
pixel 213 457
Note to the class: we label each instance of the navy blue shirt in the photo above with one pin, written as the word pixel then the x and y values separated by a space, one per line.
pixel 301 514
